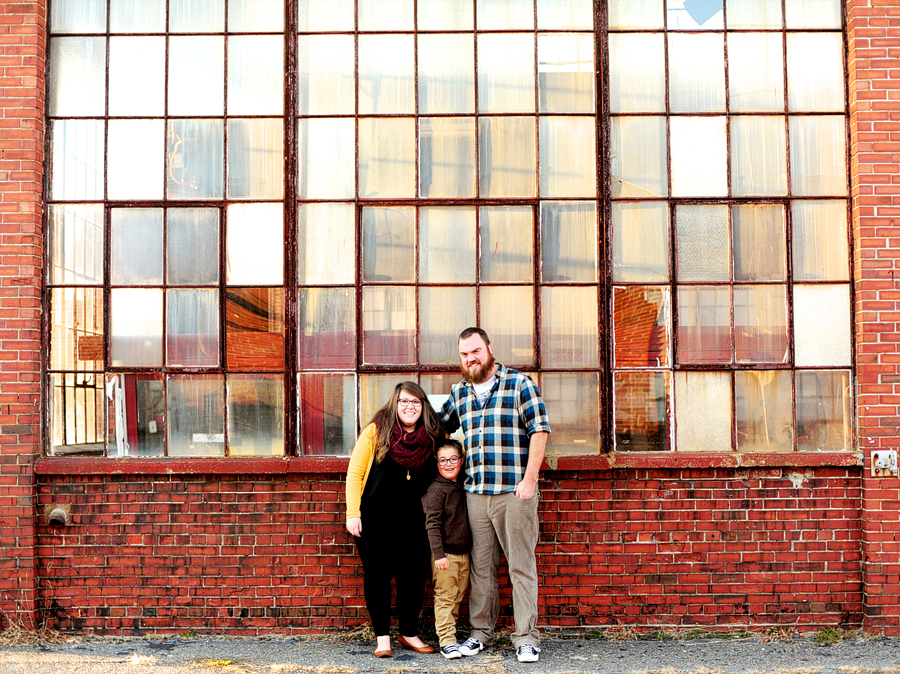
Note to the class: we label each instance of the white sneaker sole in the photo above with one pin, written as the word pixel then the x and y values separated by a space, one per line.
pixel 452 656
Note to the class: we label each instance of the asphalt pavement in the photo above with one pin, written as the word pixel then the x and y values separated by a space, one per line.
pixel 201 655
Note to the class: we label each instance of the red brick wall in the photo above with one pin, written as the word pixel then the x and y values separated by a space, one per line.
pixel 716 547
pixel 874 66
pixel 22 41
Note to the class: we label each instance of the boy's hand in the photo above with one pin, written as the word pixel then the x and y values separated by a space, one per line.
pixel 443 563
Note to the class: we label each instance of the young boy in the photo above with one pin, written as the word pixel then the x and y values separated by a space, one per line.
pixel 447 524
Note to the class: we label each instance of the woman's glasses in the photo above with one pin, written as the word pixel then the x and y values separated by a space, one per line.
pixel 406 402
pixel 453 460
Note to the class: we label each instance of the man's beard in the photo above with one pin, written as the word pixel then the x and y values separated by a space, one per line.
pixel 476 374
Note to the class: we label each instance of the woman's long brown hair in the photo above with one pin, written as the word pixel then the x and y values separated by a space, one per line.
pixel 387 418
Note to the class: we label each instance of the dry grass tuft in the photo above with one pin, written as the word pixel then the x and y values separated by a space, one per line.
pixel 361 633
pixel 16 635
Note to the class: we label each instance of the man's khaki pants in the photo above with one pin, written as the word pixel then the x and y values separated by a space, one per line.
pixel 508 522
pixel 449 587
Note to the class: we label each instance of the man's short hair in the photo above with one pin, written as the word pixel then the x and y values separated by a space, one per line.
pixel 468 332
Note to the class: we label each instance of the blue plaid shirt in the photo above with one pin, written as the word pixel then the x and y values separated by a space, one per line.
pixel 496 434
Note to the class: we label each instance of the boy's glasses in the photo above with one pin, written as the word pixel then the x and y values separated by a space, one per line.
pixel 453 460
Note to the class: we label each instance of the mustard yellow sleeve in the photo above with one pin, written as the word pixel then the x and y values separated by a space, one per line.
pixel 358 470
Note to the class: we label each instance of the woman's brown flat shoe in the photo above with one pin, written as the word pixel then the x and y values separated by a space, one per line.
pixel 386 653
pixel 424 650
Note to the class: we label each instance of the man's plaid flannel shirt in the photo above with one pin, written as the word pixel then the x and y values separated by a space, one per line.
pixel 497 434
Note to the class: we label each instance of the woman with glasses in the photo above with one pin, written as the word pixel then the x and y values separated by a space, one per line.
pixel 390 469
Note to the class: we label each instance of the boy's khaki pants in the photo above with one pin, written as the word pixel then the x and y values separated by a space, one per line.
pixel 449 588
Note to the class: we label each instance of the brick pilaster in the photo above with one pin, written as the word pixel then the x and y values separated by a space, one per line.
pixel 22 52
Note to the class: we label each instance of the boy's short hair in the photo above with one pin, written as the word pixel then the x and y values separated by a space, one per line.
pixel 449 442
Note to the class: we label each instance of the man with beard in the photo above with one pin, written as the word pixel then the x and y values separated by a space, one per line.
pixel 505 425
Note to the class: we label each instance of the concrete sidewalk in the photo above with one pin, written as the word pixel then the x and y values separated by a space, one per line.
pixel 559 656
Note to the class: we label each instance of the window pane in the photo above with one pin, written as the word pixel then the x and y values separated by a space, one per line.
pixel 824 411
pixel 136 246
pixel 447 246
pixel 385 14
pixel 386 74
pixel 376 389
pixel 327 319
pixel 76 243
pixel 569 242
pixel 507 315
pixel 325 71
pixel 640 242
pixel 750 14
pixel 762 403
pixel 387 158
pixel 755 72
pixel 196 410
pixel 76 336
pixel 255 415
pixel 566 72
pixel 641 320
pixel 506 157
pixel 705 15
pixel 251 16
pixel 568 327
pixel 815 72
pixel 760 324
pixel 327 158
pixel 568 157
pixel 137 76
pixel 77 164
pixel 441 313
pixel 389 326
pixel 699 164
pixel 254 328
pixel 196 75
pixel 446 85
pixel 255 158
pixel 445 15
pixel 326 244
pixel 196 16
pixel 641 402
pixel 136 317
pixel 636 14
pixel 704 324
pixel 820 240
pixel 704 251
pixel 135 159
pixel 327 413
pixel 325 15
pixel 812 13
pixel 76 414
pixel 388 245
pixel 562 14
pixel 255 75
pixel 192 327
pixel 573 402
pixel 822 325
pixel 195 159
pixel 637 77
pixel 136 415
pixel 638 157
pixel 137 16
pixel 505 72
pixel 446 157
pixel 507 244
pixel 254 247
pixel 758 156
pixel 505 14
pixel 696 72
pixel 703 411
pixel 192 246
pixel 818 155
pixel 76 84
pixel 81 16
pixel 759 243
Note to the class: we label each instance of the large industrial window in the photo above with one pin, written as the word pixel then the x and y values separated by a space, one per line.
pixel 264 214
